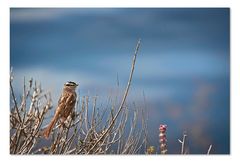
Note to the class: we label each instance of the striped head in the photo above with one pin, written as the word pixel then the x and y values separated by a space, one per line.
pixel 70 85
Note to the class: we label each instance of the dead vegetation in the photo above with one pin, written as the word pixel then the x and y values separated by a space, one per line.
pixel 86 131
pixel 118 128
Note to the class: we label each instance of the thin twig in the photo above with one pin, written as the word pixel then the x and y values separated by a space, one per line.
pixel 183 143
pixel 15 102
pixel 124 97
pixel 209 149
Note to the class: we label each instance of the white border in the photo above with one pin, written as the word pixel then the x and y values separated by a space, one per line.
pixel 4 82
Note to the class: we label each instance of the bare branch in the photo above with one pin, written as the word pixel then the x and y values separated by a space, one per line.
pixel 209 149
pixel 124 97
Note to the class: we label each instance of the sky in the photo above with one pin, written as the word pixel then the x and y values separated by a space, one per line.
pixel 183 66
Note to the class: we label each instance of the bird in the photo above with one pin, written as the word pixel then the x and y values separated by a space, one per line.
pixel 66 104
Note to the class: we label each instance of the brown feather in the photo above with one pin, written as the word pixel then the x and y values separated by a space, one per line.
pixel 66 104
pixel 49 128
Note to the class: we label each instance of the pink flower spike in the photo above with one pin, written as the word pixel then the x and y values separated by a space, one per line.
pixel 163 138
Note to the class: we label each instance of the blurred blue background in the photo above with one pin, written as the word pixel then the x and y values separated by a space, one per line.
pixel 183 67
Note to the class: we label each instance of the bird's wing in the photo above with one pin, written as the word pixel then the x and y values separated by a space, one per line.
pixel 70 102
pixel 66 104
pixel 61 104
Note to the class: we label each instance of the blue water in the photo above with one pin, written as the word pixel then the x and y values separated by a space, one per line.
pixel 183 66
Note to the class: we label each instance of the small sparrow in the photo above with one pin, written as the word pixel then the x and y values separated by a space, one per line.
pixel 65 106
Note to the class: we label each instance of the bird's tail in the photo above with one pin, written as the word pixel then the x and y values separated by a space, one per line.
pixel 47 131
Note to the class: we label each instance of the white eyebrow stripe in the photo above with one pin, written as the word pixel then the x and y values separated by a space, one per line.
pixel 70 83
